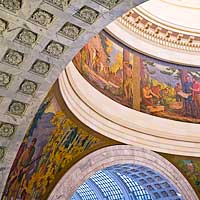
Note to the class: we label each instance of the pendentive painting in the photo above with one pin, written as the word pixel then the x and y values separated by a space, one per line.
pixel 53 143
pixel 139 82
pixel 189 167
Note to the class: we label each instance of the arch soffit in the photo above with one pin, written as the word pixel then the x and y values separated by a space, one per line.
pixel 36 45
pixel 119 154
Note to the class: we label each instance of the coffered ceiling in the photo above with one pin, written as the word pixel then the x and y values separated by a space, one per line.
pixel 37 40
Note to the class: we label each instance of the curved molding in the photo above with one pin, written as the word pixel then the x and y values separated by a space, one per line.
pixel 123 124
pixel 120 154
pixel 153 21
pixel 149 47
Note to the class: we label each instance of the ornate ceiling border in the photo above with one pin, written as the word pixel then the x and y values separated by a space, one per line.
pixel 144 46
pixel 153 30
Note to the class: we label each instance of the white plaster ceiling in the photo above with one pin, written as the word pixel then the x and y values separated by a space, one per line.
pixel 182 14
pixel 186 3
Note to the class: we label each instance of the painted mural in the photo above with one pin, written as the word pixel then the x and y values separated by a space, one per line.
pixel 189 167
pixel 139 82
pixel 54 142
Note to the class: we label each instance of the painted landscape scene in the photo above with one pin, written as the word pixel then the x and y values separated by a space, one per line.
pixel 51 146
pixel 141 83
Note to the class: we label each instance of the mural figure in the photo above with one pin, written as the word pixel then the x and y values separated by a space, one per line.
pixel 148 95
pixel 166 90
pixel 196 96
pixel 128 83
pixel 51 145
pixel 188 103
pixel 177 91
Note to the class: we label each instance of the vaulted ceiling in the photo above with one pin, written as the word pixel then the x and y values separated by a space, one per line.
pixel 38 39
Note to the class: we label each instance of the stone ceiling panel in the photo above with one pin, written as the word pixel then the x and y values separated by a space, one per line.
pixel 38 39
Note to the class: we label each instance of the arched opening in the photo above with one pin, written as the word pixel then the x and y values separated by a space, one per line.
pixel 124 172
pixel 127 182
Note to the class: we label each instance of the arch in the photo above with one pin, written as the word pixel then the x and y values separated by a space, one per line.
pixel 119 154
pixel 123 124
pixel 37 62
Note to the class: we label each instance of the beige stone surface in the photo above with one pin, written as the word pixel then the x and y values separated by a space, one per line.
pixel 31 31
pixel 124 124
pixel 121 154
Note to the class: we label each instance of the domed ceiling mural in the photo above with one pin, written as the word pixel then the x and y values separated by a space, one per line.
pixel 139 82
pixel 56 139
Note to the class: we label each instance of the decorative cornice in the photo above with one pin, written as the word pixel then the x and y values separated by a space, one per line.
pixel 116 121
pixel 159 33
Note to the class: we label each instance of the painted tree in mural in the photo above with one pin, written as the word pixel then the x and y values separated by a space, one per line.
pixel 136 88
pixel 140 82
pixel 45 154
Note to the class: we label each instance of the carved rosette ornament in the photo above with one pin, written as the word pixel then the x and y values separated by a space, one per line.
pixel 59 3
pixel 70 31
pixel 13 57
pixel 12 5
pixel 42 17
pixel 3 26
pixel 5 79
pixel 87 14
pixel 17 108
pixel 40 67
pixel 55 48
pixel 108 3
pixel 2 152
pixel 6 129
pixel 28 87
pixel 26 37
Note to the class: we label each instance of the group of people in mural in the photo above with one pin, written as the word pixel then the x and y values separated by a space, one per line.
pixel 186 94
pixel 139 82
pixel 22 164
pixel 51 143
